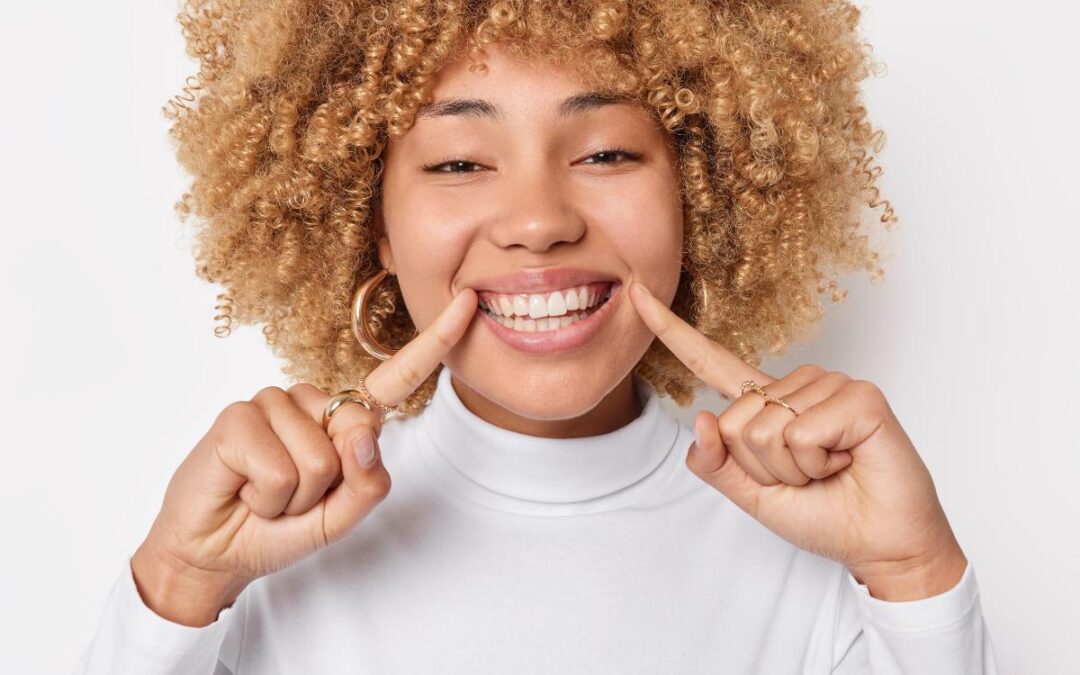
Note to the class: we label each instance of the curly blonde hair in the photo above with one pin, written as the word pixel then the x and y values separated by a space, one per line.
pixel 283 126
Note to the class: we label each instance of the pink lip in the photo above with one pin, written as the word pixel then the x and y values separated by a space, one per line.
pixel 557 340
pixel 538 281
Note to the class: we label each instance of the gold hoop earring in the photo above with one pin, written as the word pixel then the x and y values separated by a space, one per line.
pixel 360 317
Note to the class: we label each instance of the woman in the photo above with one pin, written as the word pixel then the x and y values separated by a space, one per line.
pixel 551 187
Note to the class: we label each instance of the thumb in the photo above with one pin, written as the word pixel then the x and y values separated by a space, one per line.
pixel 362 486
pixel 710 461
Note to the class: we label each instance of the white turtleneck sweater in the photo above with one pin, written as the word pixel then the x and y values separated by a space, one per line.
pixel 498 552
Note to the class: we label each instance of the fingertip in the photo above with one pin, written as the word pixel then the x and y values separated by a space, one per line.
pixel 245 494
pixel 470 299
pixel 707 452
pixel 638 291
pixel 365 449
pixel 704 424
pixel 843 460
pixel 645 304
pixel 465 292
pixel 459 311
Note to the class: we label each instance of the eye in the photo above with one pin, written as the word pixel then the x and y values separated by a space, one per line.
pixel 608 156
pixel 628 155
pixel 453 164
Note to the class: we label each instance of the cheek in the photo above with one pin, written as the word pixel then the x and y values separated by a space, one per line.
pixel 428 250
pixel 645 228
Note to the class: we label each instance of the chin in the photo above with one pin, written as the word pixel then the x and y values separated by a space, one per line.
pixel 541 387
pixel 547 397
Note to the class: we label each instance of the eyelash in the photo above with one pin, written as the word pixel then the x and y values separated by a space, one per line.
pixel 628 154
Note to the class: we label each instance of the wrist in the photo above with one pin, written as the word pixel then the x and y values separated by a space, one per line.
pixel 914 579
pixel 181 593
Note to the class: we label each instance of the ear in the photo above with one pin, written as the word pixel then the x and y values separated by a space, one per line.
pixel 386 258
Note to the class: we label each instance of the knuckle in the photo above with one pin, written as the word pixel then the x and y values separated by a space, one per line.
pixel 757 436
pixel 324 467
pixel 237 415
pixel 729 431
pixel 837 377
pixel 698 361
pixel 411 377
pixel 798 436
pixel 864 389
pixel 810 369
pixel 377 487
pixel 282 478
pixel 269 394
pixel 301 388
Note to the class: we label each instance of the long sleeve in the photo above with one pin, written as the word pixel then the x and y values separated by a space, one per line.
pixel 132 639
pixel 943 634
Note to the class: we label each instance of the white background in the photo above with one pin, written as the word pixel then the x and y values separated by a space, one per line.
pixel 112 373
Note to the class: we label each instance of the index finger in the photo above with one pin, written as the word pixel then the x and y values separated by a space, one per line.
pixel 399 376
pixel 709 360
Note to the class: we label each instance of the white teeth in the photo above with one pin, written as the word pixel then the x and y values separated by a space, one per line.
pixel 527 325
pixel 537 306
pixel 521 306
pixel 572 301
pixel 505 306
pixel 556 305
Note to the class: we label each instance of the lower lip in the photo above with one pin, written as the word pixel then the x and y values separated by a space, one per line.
pixel 559 340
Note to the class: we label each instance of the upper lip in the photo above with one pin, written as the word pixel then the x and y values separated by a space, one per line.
pixel 541 280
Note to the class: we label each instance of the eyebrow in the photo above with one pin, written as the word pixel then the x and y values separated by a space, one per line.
pixel 476 107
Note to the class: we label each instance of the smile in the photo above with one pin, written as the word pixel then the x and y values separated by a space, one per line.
pixel 537 312
pixel 551 322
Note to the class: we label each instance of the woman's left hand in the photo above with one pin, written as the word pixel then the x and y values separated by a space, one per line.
pixel 841 479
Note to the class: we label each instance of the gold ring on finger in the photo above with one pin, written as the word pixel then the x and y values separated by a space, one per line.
pixel 750 384
pixel 338 400
pixel 371 399
pixel 769 398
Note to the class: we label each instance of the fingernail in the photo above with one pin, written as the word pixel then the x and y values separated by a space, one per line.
pixel 365 450
pixel 698 444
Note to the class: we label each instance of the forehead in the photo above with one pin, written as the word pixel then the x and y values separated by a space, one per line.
pixel 497 82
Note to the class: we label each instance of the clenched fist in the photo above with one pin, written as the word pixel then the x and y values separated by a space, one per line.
pixel 267 486
pixel 840 479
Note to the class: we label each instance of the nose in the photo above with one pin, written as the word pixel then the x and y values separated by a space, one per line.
pixel 538 212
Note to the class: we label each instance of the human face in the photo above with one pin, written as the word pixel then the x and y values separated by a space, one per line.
pixel 515 199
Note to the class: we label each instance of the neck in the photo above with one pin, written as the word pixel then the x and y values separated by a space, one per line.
pixel 617 409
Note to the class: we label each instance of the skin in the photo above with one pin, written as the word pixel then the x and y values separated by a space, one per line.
pixel 268 485
pixel 534 196
pixel 840 479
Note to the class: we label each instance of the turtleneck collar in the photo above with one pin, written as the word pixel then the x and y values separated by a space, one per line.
pixel 515 472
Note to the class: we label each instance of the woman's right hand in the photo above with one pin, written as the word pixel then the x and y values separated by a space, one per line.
pixel 266 486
